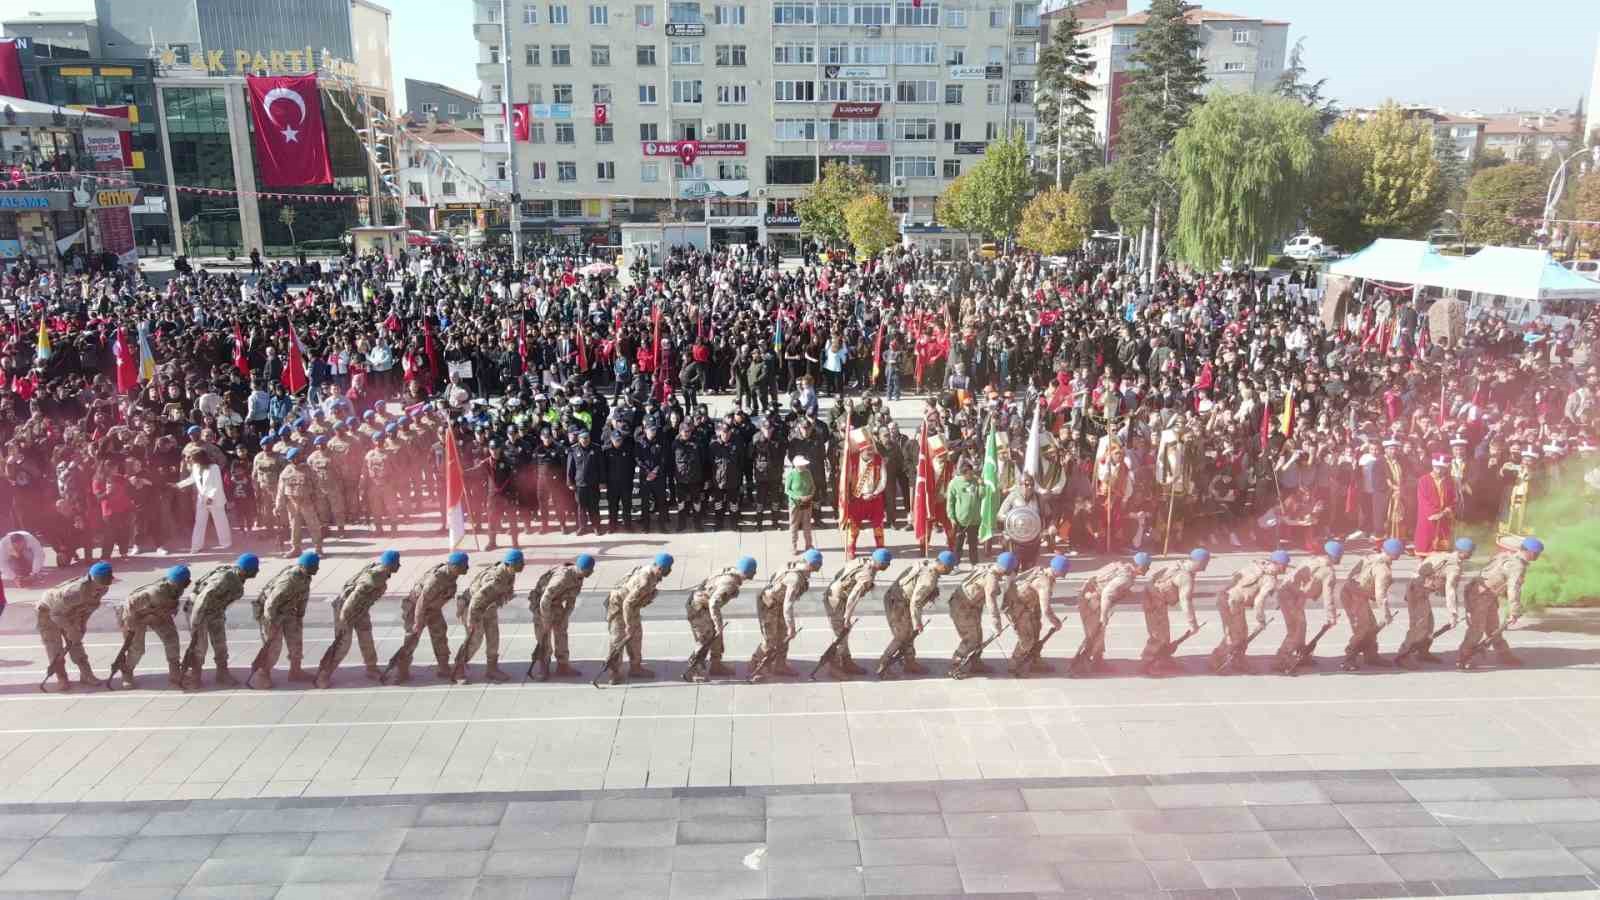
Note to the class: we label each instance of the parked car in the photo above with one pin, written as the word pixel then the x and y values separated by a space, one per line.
pixel 1588 268
pixel 1303 247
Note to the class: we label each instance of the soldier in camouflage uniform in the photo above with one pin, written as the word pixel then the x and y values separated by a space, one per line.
pixel 1171 585
pixel 551 601
pixel 916 588
pixel 207 608
pixel 1098 600
pixel 1027 605
pixel 1363 595
pixel 982 590
pixel 852 585
pixel 63 616
pixel 775 609
pixel 375 465
pixel 330 493
pixel 478 608
pixel 280 611
pixel 1438 572
pixel 264 471
pixel 1247 590
pixel 342 453
pixel 704 609
pixel 352 612
pixel 623 604
pixel 297 503
pixel 1503 576
pixel 424 608
pixel 153 607
pixel 1313 581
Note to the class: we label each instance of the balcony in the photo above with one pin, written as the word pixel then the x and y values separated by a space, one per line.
pixel 491 110
pixel 503 185
pixel 495 148
pixel 488 71
pixel 486 32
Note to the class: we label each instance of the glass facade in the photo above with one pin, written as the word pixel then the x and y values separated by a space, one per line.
pixel 197 128
pixel 319 225
pixel 263 26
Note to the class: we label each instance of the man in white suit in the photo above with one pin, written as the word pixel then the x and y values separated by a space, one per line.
pixel 209 499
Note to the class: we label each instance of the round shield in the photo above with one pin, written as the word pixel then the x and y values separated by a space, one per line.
pixel 1023 525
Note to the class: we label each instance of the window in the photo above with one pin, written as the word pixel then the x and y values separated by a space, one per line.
pixel 569 209
pixel 830 91
pixel 857 129
pixel 731 54
pixel 530 54
pixel 955 56
pixel 1233 67
pixel 650 172
pixel 917 54
pixel 560 54
pixel 794 54
pixel 870 12
pixel 566 133
pixel 414 189
pixel 991 131
pixel 1025 15
pixel 496 92
pixel 430 108
pixel 649 131
pixel 566 171
pixel 599 54
pixel 494 53
pixel 871 54
pixel 687 90
pixel 681 171
pixel 733 131
pixel 492 9
pixel 996 56
pixel 871 91
pixel 923 13
pixel 644 15
pixel 791 169
pixel 916 92
pixel 684 14
pixel 730 14
pixel 538 209
pixel 499 132
pixel 530 14
pixel 535 93
pixel 952 94
pixel 900 205
pixel 914 129
pixel 536 132
pixel 454 108
pixel 558 14
pixel 599 14
pixel 995 94
pixel 540 173
pixel 645 54
pixel 794 91
pixel 997 17
pixel 794 14
pixel 1022 90
pixel 605 170
pixel 914 167
pixel 686 54
pixel 1024 54
pixel 952 168
pixel 795 129
pixel 561 93
pixel 647 93
pixel 447 188
pixel 955 18
pixel 731 171
pixel 952 131
pixel 1028 128
pixel 835 54
pixel 1241 35
pixel 603 134
pixel 733 94
pixel 833 12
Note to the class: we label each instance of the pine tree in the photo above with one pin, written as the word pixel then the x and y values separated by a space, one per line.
pixel 1165 83
pixel 1453 174
pixel 1292 84
pixel 1065 121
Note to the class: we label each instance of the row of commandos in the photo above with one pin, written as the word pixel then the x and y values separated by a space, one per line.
pixel 1010 600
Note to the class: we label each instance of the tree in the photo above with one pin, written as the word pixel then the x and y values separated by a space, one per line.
pixel 870 224
pixel 1488 159
pixel 1586 208
pixel 1292 84
pixel 997 188
pixel 1245 164
pixel 1055 222
pixel 1380 179
pixel 1066 126
pixel 822 208
pixel 1452 169
pixel 1095 186
pixel 1504 204
pixel 286 215
pixel 952 208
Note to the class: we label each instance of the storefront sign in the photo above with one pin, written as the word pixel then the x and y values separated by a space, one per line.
pixel 239 61
pixel 733 221
pixel 701 148
pixel 964 73
pixel 994 72
pixel 685 29
pixel 970 148
pixel 112 199
pixel 102 145
pixel 700 189
pixel 855 71
pixel 783 220
pixel 33 200
pixel 855 146
pixel 550 110
pixel 856 110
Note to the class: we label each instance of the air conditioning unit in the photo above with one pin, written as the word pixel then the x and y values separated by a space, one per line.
pixel 899 181
pixel 761 192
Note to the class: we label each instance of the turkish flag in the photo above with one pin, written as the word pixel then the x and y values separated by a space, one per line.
pixel 520 130
pixel 601 114
pixel 291 142
pixel 11 83
pixel 688 151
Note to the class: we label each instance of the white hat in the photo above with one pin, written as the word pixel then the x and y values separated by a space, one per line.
pixel 799 461
pixel 1391 442
pixel 1441 462
pixel 1458 441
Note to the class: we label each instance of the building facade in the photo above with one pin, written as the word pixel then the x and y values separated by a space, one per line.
pixel 763 94
pixel 1531 136
pixel 430 98
pixel 437 196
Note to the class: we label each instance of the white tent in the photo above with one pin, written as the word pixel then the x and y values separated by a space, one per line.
pixel 1515 272
pixel 1394 260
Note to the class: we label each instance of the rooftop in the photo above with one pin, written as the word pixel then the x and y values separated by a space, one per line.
pixel 442 133
pixel 1529 123
pixel 1194 16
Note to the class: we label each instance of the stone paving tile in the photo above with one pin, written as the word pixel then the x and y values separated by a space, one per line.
pixel 522 889
pixel 796 829
pixel 440 840
pixel 890 802
pixel 718 857
pixel 289 843
pixel 721 830
pixel 1528 863
pixel 1504 837
pixel 1239 845
pixel 170 848
pixel 328 890
pixel 981 800
pixel 534 837
pixel 1574 834
pixel 523 812
pixel 1176 874
pixel 28 825
pixel 1106 876
pixel 814 854
pixel 100 824
pixel 386 842
pixel 1243 873
pixel 911 880
pixel 427 889
pixel 461 814
pixel 82 849
pixel 717 885
pixel 1437 866
pixel 50 875
pixel 1002 877
pixel 1387 815
pixel 1308 815
pixel 907 852
pixel 1320 842
pixel 647 833
pixel 1087 798
pixel 989 824
pixel 817 882
pixel 1411 840
pixel 245 870
pixel 452 864
pixel 1364 868
pixel 318 869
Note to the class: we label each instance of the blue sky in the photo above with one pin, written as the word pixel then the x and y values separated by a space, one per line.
pixel 1460 54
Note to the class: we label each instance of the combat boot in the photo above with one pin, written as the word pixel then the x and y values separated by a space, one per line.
pixel 720 668
pixel 1428 656
pixel 978 667
pixel 374 673
pixel 298 673
pixel 1507 658
pixel 851 667
pixel 402 675
pixel 86 675
pixel 174 676
pixel 494 674
pixel 442 670
pixel 637 670
pixel 912 667
pixel 260 680
pixel 127 679
pixel 224 678
pixel 1040 667
pixel 566 670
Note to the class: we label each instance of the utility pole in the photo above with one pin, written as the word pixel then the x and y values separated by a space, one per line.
pixel 511 133
pixel 1061 115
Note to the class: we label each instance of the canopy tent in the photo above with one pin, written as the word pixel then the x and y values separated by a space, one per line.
pixel 1516 272
pixel 18 112
pixel 1394 260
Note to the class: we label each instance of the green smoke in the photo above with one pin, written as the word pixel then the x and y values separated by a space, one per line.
pixel 1565 514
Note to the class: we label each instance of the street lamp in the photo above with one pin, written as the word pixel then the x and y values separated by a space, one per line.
pixel 1558 183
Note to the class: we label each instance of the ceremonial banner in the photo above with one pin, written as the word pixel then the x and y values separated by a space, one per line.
pixel 291 142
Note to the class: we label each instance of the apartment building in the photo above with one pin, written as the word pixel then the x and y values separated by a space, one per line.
pixel 723 112
pixel 1530 136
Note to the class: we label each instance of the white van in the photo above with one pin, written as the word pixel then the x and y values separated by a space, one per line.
pixel 1588 268
pixel 1303 247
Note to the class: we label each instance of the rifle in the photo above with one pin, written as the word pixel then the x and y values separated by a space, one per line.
pixel 1032 656
pixel 1466 655
pixel 191 661
pixel 697 660
pixel 959 670
pixel 833 648
pixel 898 651
pixel 612 659
pixel 1083 654
pixel 1408 650
pixel 1306 651
pixel 120 662
pixel 540 651
pixel 329 656
pixel 58 666
pixel 1167 651
pixel 407 649
pixel 758 667
pixel 458 672
pixel 1242 650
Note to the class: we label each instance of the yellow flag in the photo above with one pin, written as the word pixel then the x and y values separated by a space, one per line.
pixel 1286 420
pixel 43 344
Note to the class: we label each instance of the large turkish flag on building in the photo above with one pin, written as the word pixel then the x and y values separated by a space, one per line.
pixel 520 129
pixel 291 142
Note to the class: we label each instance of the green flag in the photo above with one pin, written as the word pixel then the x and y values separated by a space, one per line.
pixel 991 488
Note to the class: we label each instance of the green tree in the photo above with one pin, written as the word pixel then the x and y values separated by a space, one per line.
pixel 822 207
pixel 1504 204
pixel 1167 76
pixel 1245 165
pixel 1380 179
pixel 1055 222
pixel 997 189
pixel 1133 196
pixel 1095 186
pixel 1586 208
pixel 1066 126
pixel 287 215
pixel 1453 173
pixel 1488 159
pixel 952 208
pixel 1292 84
pixel 870 224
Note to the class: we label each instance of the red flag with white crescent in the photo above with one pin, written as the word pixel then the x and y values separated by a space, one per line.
pixel 291 140
pixel 294 371
pixel 455 491
pixel 239 360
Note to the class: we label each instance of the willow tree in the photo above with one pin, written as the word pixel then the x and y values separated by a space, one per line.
pixel 1245 164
